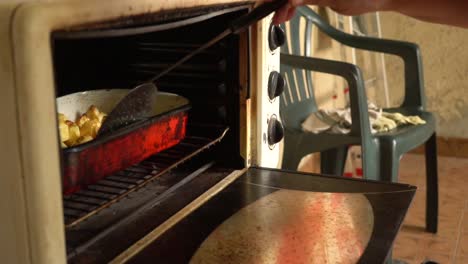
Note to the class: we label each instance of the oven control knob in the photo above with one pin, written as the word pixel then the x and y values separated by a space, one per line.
pixel 276 84
pixel 275 131
pixel 276 37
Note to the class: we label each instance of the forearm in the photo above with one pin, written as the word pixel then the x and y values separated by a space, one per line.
pixel 452 12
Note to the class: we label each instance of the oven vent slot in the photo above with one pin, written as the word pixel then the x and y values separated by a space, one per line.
pixel 94 198
pixel 199 73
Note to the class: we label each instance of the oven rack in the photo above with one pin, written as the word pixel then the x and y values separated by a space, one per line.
pixel 91 200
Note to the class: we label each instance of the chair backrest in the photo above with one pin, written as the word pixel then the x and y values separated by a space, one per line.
pixel 409 52
pixel 299 82
pixel 298 100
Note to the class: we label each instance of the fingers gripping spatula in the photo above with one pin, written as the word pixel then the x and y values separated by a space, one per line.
pixel 139 103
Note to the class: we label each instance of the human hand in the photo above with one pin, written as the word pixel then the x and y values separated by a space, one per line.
pixel 345 7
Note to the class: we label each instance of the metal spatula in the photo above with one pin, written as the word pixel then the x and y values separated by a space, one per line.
pixel 138 104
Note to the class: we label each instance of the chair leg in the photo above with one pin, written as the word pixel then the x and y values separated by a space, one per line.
pixel 370 161
pixel 291 157
pixel 332 161
pixel 290 163
pixel 432 192
pixel 389 162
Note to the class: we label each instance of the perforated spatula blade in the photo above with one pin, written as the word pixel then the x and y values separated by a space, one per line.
pixel 137 105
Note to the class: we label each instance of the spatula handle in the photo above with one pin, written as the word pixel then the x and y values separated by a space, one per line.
pixel 256 14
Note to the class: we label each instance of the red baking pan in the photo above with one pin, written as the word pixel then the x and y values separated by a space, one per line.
pixel 87 163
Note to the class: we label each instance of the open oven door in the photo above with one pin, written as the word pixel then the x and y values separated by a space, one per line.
pixel 272 216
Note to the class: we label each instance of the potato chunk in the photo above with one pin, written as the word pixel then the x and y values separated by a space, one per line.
pixel 74 134
pixel 84 139
pixel 90 128
pixel 82 120
pixel 63 130
pixel 61 117
pixel 101 117
pixel 93 112
pixel 83 130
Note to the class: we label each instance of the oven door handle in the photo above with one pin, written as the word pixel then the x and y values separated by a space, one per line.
pixel 255 15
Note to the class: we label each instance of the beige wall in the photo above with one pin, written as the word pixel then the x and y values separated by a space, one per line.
pixel 445 59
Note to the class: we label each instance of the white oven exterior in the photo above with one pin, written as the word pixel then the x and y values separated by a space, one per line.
pixel 31 227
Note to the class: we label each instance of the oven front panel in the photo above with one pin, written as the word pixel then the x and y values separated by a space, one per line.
pixel 267 110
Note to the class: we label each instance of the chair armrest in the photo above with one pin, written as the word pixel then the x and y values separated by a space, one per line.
pixel 352 74
pixel 409 52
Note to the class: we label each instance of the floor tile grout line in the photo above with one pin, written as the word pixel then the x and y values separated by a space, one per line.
pixel 459 233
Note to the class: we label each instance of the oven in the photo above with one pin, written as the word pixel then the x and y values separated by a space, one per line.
pixel 66 47
pixel 229 143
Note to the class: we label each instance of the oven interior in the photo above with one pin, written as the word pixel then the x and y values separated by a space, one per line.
pixel 103 219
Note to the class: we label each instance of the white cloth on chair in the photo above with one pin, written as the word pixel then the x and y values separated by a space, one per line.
pixel 339 121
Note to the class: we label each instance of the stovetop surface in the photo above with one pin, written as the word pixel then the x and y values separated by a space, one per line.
pixel 272 216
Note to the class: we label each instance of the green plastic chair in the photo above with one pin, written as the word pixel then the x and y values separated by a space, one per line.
pixel 381 152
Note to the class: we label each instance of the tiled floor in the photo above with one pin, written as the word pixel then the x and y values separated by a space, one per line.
pixel 450 245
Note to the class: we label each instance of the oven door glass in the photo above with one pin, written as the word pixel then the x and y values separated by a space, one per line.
pixel 274 216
